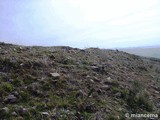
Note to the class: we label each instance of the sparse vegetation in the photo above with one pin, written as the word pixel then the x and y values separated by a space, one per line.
pixel 138 99
pixel 63 83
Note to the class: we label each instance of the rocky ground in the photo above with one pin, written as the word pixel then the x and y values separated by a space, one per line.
pixel 63 83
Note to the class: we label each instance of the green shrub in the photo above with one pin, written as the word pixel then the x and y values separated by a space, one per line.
pixel 17 82
pixel 24 96
pixel 8 87
pixel 137 98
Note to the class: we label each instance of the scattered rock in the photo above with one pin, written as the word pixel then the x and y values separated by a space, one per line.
pixel 142 68
pixel 5 110
pixel 81 94
pixel 34 107
pixel 14 113
pixel 157 92
pixel 11 98
pixel 22 64
pixel 92 81
pixel 25 87
pixel 88 76
pixel 45 113
pixel 10 80
pixel 16 93
pixel 105 87
pixel 20 48
pixel 120 109
pixel 95 68
pixel 108 78
pixel 35 86
pixel 22 111
pixel 118 94
pixel 54 81
pixel 109 81
pixel 158 105
pixel 98 116
pixel 96 79
pixel 99 69
pixel 55 75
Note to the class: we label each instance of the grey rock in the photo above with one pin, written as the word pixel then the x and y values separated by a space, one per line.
pixel 35 86
pixel 11 98
pixel 95 68
pixel 92 81
pixel 45 113
pixel 16 93
pixel 20 48
pixel 107 81
pixel 98 116
pixel 34 107
pixel 55 75
pixel 22 64
pixel 5 109
pixel 96 79
pixel 99 69
pixel 14 113
pixel 158 105
pixel 108 78
pixel 105 87
pixel 23 111
pixel 157 92
pixel 81 94
pixel 118 94
pixel 10 80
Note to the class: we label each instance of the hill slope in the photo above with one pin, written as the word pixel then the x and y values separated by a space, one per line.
pixel 72 84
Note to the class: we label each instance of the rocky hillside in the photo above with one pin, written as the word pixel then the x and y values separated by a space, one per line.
pixel 63 83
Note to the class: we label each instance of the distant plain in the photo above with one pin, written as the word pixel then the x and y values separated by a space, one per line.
pixel 151 51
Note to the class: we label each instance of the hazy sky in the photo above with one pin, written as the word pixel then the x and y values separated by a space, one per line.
pixel 81 23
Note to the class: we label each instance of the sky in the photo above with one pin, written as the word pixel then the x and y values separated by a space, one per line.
pixel 80 23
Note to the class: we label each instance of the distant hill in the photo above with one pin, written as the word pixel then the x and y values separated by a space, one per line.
pixel 144 51
pixel 64 83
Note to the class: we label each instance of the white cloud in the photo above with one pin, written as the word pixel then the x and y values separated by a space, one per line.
pixel 81 22
pixel 103 10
